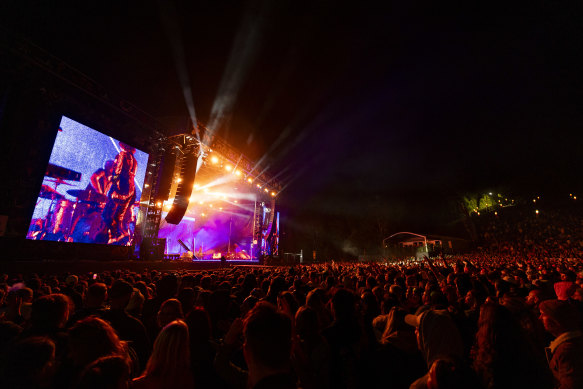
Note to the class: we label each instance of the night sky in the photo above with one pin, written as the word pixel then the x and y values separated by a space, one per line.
pixel 366 111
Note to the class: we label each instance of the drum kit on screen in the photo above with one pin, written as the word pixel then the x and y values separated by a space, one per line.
pixel 67 220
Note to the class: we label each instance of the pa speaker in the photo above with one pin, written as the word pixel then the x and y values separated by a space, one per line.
pixel 184 188
pixel 165 175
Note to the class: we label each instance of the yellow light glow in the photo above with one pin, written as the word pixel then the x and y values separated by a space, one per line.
pixel 267 190
pixel 205 190
pixel 259 186
pixel 210 205
pixel 201 202
pixel 236 201
pixel 179 179
pixel 202 214
pixel 249 180
pixel 495 213
pixel 146 185
pixel 159 204
pixel 536 211
pixel 273 194
pixel 574 197
pixel 214 159
pixel 221 208
pixel 228 168
pixel 196 186
pixel 238 173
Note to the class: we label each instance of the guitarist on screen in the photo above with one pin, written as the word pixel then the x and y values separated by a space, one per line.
pixel 121 195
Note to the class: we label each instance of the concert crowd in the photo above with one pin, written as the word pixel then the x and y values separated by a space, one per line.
pixel 499 318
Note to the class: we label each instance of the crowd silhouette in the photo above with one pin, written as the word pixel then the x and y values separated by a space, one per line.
pixel 496 318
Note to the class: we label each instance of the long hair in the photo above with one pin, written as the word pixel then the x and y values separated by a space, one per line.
pixel 93 338
pixel 503 357
pixel 171 354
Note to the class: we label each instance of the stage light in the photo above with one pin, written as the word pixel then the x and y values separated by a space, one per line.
pixel 159 204
pixel 238 173
pixel 259 186
pixel 536 211
pixel 214 159
pixel 146 185
pixel 202 214
pixel 266 190
pixel 179 179
pixel 273 194
pixel 228 168
pixel 235 201
pixel 249 180
pixel 221 208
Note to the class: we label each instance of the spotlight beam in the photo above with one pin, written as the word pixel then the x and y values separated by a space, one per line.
pixel 243 52
pixel 170 22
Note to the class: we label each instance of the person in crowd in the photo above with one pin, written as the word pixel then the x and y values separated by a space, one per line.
pixel 128 328
pixel 311 353
pixel 28 363
pixel 109 372
pixel 267 348
pixel 437 337
pixel 169 365
pixel 89 339
pixel 48 318
pixel 94 304
pixel 504 357
pixel 565 353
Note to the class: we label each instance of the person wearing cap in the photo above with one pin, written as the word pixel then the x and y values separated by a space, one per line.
pixel 437 337
pixel 565 353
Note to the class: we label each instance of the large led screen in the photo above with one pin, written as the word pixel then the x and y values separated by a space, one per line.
pixel 91 189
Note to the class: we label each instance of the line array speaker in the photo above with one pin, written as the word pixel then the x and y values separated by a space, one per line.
pixel 167 166
pixel 184 188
